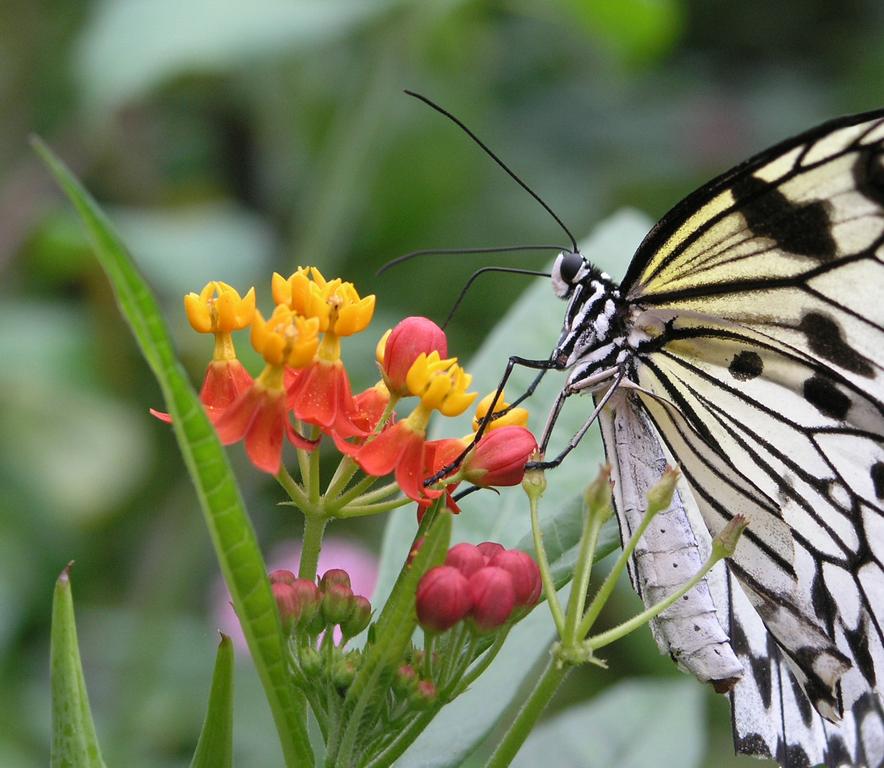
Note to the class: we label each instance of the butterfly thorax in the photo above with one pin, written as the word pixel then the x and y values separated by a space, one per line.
pixel 594 332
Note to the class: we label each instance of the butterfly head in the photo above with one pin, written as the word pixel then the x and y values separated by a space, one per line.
pixel 591 330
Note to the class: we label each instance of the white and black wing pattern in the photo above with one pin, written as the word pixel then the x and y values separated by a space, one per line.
pixel 756 318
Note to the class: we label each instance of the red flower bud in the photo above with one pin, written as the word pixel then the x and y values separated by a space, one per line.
pixel 406 341
pixel 337 603
pixel 443 598
pixel 499 458
pixel 281 576
pixel 334 576
pixel 286 602
pixel 308 598
pixel 358 619
pixel 490 549
pixel 467 558
pixel 524 573
pixel 405 680
pixel 424 695
pixel 493 597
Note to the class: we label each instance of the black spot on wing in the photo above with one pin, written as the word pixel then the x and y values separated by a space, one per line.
pixel 823 395
pixel 877 473
pixel 752 744
pixel 796 757
pixel 746 365
pixel 800 229
pixel 868 173
pixel 825 339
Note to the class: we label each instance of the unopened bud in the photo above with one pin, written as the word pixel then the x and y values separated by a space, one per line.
pixel 424 695
pixel 443 598
pixel 490 549
pixel 524 573
pixel 467 558
pixel 358 619
pixel 343 673
pixel 311 661
pixel 405 680
pixel 334 576
pixel 725 543
pixel 597 496
pixel 494 598
pixel 660 496
pixel 337 603
pixel 281 576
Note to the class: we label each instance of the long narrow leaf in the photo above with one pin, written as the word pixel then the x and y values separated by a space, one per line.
pixel 215 746
pixel 229 526
pixel 74 742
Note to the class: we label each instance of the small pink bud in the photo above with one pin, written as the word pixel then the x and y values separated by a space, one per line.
pixel 467 558
pixel 443 598
pixel 281 576
pixel 424 695
pixel 499 458
pixel 334 576
pixel 286 602
pixel 405 680
pixel 337 603
pixel 405 343
pixel 493 597
pixel 524 573
pixel 359 617
pixel 308 598
pixel 490 549
pixel 343 673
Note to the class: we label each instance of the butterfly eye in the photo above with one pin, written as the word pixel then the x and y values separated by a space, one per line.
pixel 565 270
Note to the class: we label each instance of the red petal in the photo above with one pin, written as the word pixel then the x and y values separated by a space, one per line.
pixel 297 439
pixel 264 438
pixel 409 471
pixel 235 422
pixel 313 395
pixel 347 414
pixel 165 417
pixel 225 381
pixel 382 455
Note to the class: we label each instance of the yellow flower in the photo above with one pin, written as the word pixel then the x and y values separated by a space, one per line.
pixel 218 308
pixel 335 303
pixel 440 384
pixel 517 417
pixel 286 339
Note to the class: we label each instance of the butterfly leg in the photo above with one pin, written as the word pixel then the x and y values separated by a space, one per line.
pixel 572 389
pixel 541 365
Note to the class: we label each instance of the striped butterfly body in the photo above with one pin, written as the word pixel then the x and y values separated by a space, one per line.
pixel 746 344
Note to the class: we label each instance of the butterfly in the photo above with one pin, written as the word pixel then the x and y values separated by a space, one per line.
pixel 746 344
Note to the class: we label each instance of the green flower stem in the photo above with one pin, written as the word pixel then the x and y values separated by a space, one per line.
pixel 621 630
pixel 529 714
pixel 404 739
pixel 354 493
pixel 354 510
pixel 296 492
pixel 469 676
pixel 588 540
pixel 549 589
pixel 303 456
pixel 314 526
pixel 353 496
pixel 345 470
pixel 311 480
pixel 604 593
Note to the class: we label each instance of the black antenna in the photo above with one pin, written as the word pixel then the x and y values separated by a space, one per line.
pixel 497 160
pixel 446 251
pixel 483 270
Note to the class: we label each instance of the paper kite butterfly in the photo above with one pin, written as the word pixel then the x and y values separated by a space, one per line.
pixel 746 344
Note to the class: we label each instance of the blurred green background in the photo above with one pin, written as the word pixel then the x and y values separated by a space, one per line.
pixel 229 139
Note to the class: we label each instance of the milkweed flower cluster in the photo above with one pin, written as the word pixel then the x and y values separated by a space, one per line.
pixel 303 393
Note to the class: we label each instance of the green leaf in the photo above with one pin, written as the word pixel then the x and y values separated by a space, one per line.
pixel 229 526
pixel 74 743
pixel 633 724
pixel 530 329
pixel 215 746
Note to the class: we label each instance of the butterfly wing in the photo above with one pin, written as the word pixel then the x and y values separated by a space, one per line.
pixel 758 320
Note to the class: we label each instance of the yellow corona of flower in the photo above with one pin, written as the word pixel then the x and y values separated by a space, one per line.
pixel 516 417
pixel 335 303
pixel 441 384
pixel 218 308
pixel 286 338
